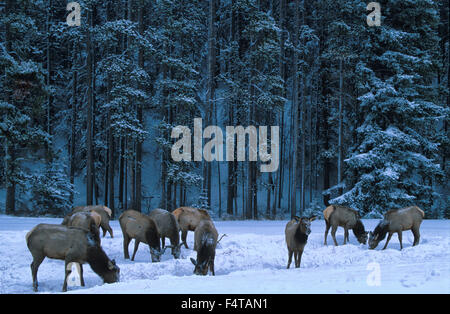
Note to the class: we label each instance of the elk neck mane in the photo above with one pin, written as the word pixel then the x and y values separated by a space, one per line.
pixel 358 229
pixel 97 259
pixel 299 235
pixel 381 229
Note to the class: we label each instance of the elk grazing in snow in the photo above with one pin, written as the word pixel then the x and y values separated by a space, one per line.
pixel 188 219
pixel 205 236
pixel 396 221
pixel 103 211
pixel 168 228
pixel 141 228
pixel 89 221
pixel 72 245
pixel 348 218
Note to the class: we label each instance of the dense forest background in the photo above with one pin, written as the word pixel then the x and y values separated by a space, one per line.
pixel 86 111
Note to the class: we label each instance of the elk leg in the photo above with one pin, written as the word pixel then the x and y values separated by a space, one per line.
pixel 290 258
pixel 183 238
pixel 387 241
pixel 211 267
pixel 416 234
pixel 327 227
pixel 104 230
pixel 67 273
pixel 333 234
pixel 110 232
pixel 299 258
pixel 400 239
pixel 34 269
pixel 81 275
pixel 136 245
pixel 126 243
pixel 163 242
pixel 346 235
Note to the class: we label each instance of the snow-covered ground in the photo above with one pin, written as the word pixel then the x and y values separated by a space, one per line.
pixel 251 259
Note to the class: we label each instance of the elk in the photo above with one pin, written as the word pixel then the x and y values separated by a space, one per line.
pixel 205 241
pixel 72 245
pixel 89 221
pixel 297 231
pixel 396 221
pixel 188 219
pixel 348 218
pixel 103 211
pixel 141 228
pixel 168 228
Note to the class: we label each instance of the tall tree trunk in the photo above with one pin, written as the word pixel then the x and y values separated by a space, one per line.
pixel 73 125
pixel 89 117
pixel 303 131
pixel 10 181
pixel 48 79
pixel 121 171
pixel 139 116
pixel 340 140
pixel 295 108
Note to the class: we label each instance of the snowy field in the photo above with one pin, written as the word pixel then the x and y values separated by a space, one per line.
pixel 251 259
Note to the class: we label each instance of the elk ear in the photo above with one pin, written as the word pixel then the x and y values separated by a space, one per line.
pixel 194 261
pixel 111 265
pixel 312 218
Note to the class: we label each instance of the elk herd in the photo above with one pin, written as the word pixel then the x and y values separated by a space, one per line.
pixel 77 238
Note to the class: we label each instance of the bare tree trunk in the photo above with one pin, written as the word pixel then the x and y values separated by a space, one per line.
pixel 10 204
pixel 295 108
pixel 48 79
pixel 140 118
pixel 340 153
pixel 303 130
pixel 89 117
pixel 73 123
pixel 121 171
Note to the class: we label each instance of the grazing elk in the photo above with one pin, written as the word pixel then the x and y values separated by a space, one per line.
pixel 89 221
pixel 103 211
pixel 141 228
pixel 205 241
pixel 396 221
pixel 297 232
pixel 168 228
pixel 188 219
pixel 348 218
pixel 72 245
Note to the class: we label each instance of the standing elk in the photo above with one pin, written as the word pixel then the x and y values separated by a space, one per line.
pixel 396 221
pixel 168 228
pixel 89 221
pixel 297 231
pixel 205 237
pixel 72 245
pixel 348 218
pixel 188 219
pixel 103 211
pixel 141 228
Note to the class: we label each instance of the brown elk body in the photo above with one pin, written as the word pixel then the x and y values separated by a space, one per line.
pixel 205 241
pixel 72 245
pixel 89 221
pixel 296 232
pixel 396 221
pixel 347 218
pixel 141 228
pixel 188 219
pixel 103 211
pixel 168 228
